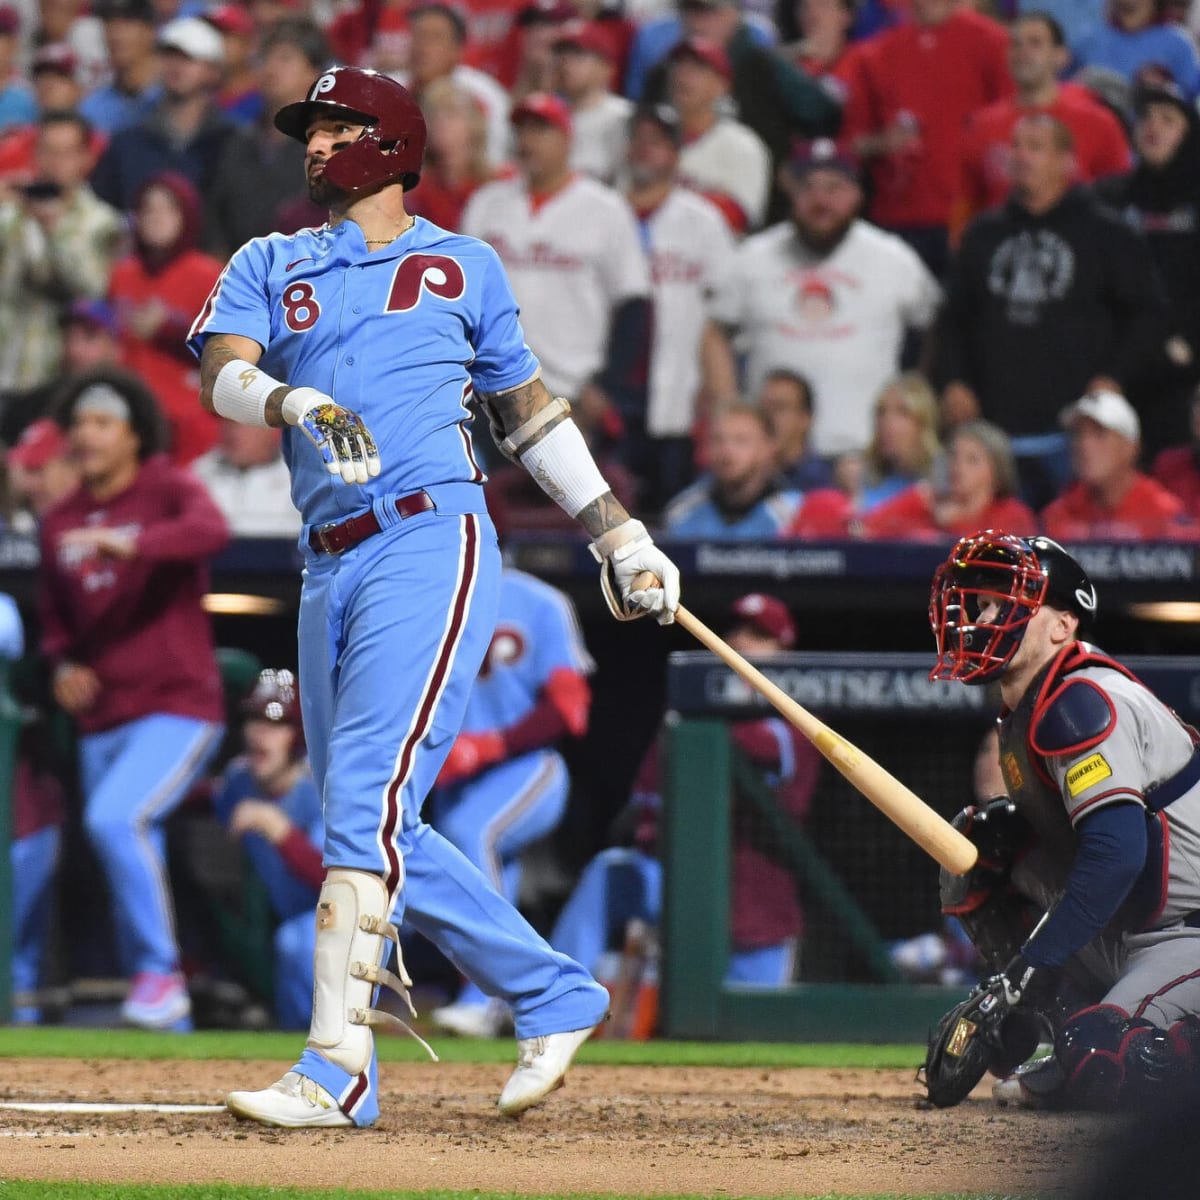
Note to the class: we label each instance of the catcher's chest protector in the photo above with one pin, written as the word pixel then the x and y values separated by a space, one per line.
pixel 1038 799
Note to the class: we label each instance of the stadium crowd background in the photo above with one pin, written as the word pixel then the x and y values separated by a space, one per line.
pixel 825 270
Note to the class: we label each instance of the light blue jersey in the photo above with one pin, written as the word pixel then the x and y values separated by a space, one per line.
pixel 537 634
pixel 401 337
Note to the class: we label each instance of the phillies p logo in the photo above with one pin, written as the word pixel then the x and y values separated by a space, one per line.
pixel 434 273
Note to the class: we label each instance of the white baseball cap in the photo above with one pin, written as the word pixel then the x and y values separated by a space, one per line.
pixel 1110 410
pixel 194 38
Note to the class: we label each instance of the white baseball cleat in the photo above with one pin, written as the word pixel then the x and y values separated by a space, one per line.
pixel 295 1102
pixel 542 1064
pixel 473 1020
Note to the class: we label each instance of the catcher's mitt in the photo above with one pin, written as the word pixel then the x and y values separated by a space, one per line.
pixel 981 1034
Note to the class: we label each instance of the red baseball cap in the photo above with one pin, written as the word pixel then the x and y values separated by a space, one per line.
pixel 588 36
pixel 543 106
pixel 703 50
pixel 766 614
pixel 231 18
pixel 57 57
pixel 40 442
pixel 10 21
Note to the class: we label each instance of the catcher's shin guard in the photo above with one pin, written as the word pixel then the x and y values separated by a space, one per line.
pixel 353 933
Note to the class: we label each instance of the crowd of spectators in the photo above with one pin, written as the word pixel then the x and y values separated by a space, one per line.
pixel 877 269
pixel 706 208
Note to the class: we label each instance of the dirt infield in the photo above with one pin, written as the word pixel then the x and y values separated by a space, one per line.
pixel 624 1130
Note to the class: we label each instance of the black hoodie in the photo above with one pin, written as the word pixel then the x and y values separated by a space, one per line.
pixel 1038 305
pixel 1163 204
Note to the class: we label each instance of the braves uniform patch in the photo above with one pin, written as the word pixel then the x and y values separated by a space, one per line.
pixel 1086 774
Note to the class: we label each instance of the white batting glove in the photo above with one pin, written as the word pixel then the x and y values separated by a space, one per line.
pixel 339 435
pixel 625 553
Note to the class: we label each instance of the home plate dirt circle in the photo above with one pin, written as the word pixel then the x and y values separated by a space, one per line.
pixel 620 1130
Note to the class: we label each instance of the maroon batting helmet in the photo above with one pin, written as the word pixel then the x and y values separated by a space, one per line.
pixel 392 145
pixel 276 698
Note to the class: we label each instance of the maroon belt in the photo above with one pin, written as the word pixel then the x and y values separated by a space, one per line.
pixel 339 536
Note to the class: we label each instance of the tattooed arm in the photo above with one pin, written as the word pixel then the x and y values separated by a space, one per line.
pixel 534 428
pixel 516 411
pixel 223 348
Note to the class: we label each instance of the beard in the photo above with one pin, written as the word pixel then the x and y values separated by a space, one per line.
pixel 822 242
pixel 324 193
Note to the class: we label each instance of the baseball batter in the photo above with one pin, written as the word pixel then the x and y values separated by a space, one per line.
pixel 1105 780
pixel 365 340
pixel 504 784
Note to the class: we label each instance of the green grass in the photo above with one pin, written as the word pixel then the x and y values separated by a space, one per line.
pixel 226 1191
pixel 64 1042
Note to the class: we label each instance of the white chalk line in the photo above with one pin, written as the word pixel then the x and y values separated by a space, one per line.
pixel 87 1107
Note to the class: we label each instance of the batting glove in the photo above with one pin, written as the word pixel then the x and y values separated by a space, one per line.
pixel 341 438
pixel 469 755
pixel 625 553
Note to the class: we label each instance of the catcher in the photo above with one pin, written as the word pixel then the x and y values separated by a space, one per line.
pixel 1085 901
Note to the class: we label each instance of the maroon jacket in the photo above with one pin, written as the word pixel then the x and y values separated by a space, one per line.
pixel 763 908
pixel 138 623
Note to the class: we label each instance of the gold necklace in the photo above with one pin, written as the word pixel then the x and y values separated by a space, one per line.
pixel 388 241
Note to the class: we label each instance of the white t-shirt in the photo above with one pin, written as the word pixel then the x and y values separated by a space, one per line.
pixel 256 501
pixel 600 136
pixel 838 321
pixel 691 252
pixel 571 259
pixel 733 160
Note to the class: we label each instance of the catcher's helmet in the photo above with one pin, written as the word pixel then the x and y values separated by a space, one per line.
pixel 392 145
pixel 1028 573
pixel 276 698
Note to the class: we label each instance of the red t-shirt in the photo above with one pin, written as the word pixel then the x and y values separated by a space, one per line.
pixel 1178 471
pixel 824 513
pixel 909 516
pixel 1100 145
pixel 165 363
pixel 938 75
pixel 138 623
pixel 1147 510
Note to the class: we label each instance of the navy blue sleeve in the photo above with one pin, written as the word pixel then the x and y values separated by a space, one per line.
pixel 1111 855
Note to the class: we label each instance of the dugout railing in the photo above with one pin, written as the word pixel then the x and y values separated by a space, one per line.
pixel 862 882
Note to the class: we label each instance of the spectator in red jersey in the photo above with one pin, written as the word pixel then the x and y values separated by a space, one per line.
pixel 1110 498
pixel 156 291
pixel 457 162
pixel 1037 57
pixel 1160 198
pixel 980 494
pixel 624 884
pixel 1178 467
pixel 124 568
pixel 911 90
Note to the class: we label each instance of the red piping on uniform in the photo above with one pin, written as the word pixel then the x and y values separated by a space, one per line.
pixel 1166 864
pixel 1145 1004
pixel 1137 796
pixel 391 820
pixel 356 1093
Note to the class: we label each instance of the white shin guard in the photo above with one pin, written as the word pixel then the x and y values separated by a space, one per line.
pixel 352 936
